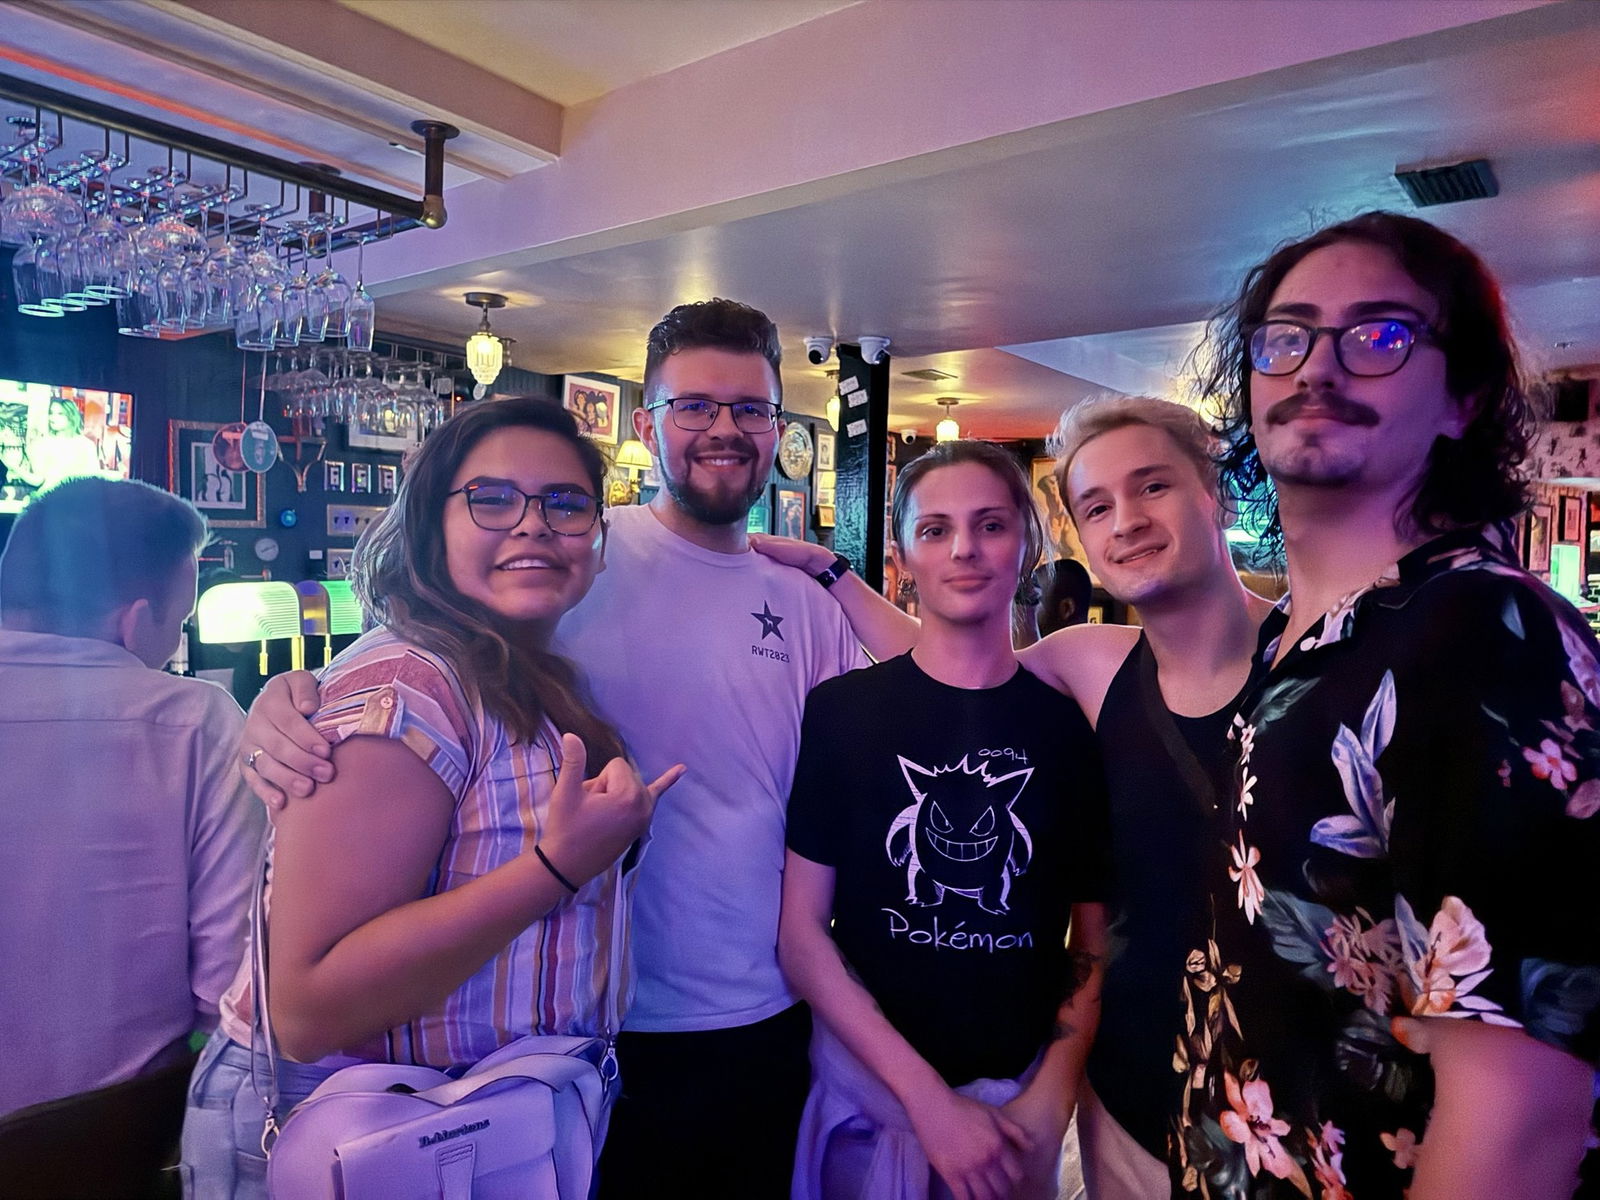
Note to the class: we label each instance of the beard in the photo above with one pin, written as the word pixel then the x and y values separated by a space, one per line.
pixel 723 506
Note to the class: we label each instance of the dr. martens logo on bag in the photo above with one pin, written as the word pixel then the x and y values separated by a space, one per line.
pixel 444 1135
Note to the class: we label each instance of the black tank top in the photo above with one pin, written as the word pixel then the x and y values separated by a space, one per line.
pixel 1164 848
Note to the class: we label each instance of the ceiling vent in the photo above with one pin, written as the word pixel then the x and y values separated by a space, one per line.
pixel 1449 184
pixel 928 375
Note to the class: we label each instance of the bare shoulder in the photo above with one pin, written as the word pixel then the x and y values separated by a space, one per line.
pixel 1081 659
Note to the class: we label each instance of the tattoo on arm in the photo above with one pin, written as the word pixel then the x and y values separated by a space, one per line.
pixel 1080 969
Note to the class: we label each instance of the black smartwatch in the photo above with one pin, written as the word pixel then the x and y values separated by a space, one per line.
pixel 837 570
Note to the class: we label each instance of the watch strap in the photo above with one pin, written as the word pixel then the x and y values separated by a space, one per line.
pixel 836 570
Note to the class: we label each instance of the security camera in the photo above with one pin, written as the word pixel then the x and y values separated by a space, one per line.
pixel 872 348
pixel 818 349
pixel 908 436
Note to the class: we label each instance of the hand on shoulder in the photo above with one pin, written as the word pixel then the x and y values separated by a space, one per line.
pixel 810 557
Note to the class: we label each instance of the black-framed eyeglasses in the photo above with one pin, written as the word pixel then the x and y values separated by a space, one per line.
pixel 1367 348
pixel 694 414
pixel 501 506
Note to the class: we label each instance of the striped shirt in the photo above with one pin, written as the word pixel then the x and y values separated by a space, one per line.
pixel 552 979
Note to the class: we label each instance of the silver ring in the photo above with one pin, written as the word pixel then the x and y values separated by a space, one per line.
pixel 250 759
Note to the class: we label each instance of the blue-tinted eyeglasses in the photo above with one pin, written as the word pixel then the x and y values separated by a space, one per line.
pixel 1367 348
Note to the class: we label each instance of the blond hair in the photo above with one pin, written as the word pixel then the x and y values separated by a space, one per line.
pixel 1091 417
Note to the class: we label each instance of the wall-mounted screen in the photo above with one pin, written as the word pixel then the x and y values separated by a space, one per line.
pixel 49 433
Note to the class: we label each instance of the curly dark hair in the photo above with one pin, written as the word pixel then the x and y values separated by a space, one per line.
pixel 718 325
pixel 403 582
pixel 1474 480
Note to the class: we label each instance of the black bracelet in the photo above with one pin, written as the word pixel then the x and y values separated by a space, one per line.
pixel 836 570
pixel 560 878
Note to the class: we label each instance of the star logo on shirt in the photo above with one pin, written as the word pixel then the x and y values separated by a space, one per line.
pixel 769 622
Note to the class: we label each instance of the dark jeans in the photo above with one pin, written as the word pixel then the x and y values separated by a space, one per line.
pixel 709 1114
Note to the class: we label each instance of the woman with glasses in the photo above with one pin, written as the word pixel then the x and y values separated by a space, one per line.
pixel 455 886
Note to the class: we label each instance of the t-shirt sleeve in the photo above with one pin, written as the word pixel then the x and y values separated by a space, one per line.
pixel 406 696
pixel 811 830
pixel 1491 759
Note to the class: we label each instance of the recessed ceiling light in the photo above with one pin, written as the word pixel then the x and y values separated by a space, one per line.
pixel 1563 345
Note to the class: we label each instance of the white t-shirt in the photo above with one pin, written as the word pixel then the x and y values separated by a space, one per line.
pixel 706 659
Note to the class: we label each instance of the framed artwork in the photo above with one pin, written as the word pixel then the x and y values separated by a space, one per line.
pixel 1571 519
pixel 594 402
pixel 788 512
pixel 825 516
pixel 757 521
pixel 825 485
pixel 229 499
pixel 1059 531
pixel 1538 553
pixel 332 476
pixel 360 477
pixel 388 478
pixel 384 434
pixel 825 449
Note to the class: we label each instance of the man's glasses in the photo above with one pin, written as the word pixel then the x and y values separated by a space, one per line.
pixel 1368 348
pixel 501 506
pixel 695 413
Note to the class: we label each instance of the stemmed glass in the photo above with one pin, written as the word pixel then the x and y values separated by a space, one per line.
pixel 361 311
pixel 333 287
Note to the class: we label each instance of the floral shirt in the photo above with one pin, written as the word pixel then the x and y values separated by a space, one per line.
pixel 1414 831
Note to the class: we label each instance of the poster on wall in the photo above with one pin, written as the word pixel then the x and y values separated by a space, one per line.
pixel 1572 519
pixel 789 512
pixel 50 433
pixel 228 498
pixel 1538 555
pixel 1059 531
pixel 594 403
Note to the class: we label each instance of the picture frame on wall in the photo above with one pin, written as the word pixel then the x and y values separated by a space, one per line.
pixel 229 499
pixel 388 478
pixel 825 451
pixel 825 516
pixel 332 475
pixel 595 404
pixel 789 512
pixel 757 520
pixel 360 477
pixel 825 486
pixel 1572 519
pixel 1538 550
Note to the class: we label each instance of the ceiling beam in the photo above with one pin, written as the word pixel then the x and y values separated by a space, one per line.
pixel 366 55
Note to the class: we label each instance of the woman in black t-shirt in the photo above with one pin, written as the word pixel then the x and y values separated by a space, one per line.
pixel 947 816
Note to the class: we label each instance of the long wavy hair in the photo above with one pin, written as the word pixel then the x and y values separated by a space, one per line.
pixel 403 582
pixel 1005 468
pixel 1476 479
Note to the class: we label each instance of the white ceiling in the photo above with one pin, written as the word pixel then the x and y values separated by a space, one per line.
pixel 1034 259
pixel 575 51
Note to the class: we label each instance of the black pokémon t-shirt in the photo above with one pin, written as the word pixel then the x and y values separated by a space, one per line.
pixel 963 825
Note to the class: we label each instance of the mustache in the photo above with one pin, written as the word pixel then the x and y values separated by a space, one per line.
pixel 1340 408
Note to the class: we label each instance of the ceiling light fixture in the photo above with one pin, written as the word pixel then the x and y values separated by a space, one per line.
pixel 485 354
pixel 832 407
pixel 947 430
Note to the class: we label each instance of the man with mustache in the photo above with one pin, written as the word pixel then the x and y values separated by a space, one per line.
pixel 1412 830
pixel 703 653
